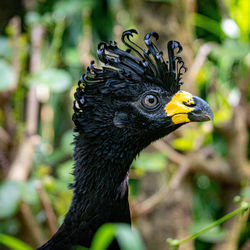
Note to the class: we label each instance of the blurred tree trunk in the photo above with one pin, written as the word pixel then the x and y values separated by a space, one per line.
pixel 171 219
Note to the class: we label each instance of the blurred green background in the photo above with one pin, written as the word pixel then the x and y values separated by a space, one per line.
pixel 179 184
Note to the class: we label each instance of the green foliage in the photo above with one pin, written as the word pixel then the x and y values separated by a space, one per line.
pixel 13 243
pixel 7 76
pixel 10 196
pixel 57 80
pixel 11 193
pixel 239 10
pixel 150 162
pixel 127 239
pixel 216 234
pixel 5 49
pixel 69 8
pixel 208 24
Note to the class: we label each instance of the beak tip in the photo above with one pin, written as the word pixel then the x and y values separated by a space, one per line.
pixel 202 111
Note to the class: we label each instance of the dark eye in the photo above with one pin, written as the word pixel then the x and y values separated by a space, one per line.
pixel 150 101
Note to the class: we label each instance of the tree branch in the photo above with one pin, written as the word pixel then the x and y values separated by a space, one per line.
pixel 50 215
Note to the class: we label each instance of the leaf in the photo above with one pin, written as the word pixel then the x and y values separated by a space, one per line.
pixel 69 8
pixel 13 243
pixel 71 57
pixel 208 24
pixel 58 80
pixel 103 237
pixel 214 235
pixel 185 144
pixel 128 239
pixel 5 49
pixel 64 171
pixel 150 162
pixel 7 76
pixel 245 193
pixel 32 18
pixel 10 196
pixel 67 139
pixel 29 193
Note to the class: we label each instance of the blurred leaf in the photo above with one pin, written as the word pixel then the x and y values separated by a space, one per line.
pixel 72 57
pixel 230 52
pixel 188 140
pixel 220 105
pixel 184 144
pixel 239 10
pixel 62 197
pixel 150 162
pixel 245 193
pixel 103 237
pixel 58 80
pixel 69 8
pixel 10 226
pixel 161 1
pixel 222 116
pixel 67 139
pixel 64 171
pixel 13 243
pixel 5 49
pixel 214 235
pixel 80 248
pixel 10 196
pixel 7 76
pixel 133 187
pixel 32 18
pixel 29 193
pixel 127 239
pixel 208 24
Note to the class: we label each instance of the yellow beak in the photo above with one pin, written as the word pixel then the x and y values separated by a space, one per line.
pixel 185 107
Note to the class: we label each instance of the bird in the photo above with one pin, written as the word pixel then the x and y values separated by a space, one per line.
pixel 133 99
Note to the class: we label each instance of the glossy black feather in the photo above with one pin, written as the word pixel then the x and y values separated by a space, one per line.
pixel 111 128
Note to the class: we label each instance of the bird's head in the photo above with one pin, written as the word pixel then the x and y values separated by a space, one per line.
pixel 136 91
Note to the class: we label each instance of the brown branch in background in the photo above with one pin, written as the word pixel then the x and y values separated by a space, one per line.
pixel 35 64
pixel 50 215
pixel 199 60
pixel 148 205
pixel 31 224
pixel 246 246
pixel 203 160
pixel 9 121
pixel 169 152
pixel 233 236
pixel 84 45
pixel 215 167
pixel 15 23
pixel 21 165
pixel 5 138
pixel 4 163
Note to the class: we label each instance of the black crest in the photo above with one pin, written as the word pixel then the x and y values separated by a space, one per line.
pixel 135 65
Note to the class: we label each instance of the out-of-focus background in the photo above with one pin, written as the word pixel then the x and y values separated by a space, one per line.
pixel 179 184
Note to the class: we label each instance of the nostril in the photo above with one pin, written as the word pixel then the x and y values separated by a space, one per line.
pixel 190 103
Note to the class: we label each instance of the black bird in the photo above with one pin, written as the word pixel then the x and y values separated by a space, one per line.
pixel 120 109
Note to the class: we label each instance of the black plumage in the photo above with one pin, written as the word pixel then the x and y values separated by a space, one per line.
pixel 120 109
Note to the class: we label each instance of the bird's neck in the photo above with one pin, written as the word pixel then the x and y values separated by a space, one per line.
pixel 102 165
pixel 101 182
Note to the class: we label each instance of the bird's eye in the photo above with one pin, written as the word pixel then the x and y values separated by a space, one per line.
pixel 150 101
